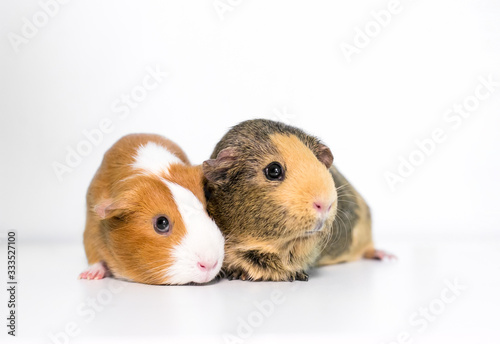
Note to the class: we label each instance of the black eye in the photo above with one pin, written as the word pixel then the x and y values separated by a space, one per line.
pixel 274 171
pixel 162 225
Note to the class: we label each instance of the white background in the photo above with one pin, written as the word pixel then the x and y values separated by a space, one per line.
pixel 277 60
pixel 263 57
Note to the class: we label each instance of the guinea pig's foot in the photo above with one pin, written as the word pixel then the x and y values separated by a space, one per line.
pixel 221 275
pixel 96 271
pixel 301 276
pixel 380 255
pixel 237 274
pixel 297 276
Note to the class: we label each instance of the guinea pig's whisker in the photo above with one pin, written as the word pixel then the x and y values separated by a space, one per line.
pixel 341 218
pixel 342 186
pixel 347 201
pixel 342 212
pixel 230 234
pixel 338 228
pixel 150 273
pixel 155 270
pixel 345 193
pixel 152 266
pixel 325 240
pixel 345 227
pixel 339 188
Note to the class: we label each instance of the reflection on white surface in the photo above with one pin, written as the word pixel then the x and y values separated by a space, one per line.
pixel 365 301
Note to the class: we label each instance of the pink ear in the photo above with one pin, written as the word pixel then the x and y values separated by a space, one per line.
pixel 106 207
pixel 216 169
pixel 325 155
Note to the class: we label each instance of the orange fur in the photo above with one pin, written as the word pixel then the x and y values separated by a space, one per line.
pixel 121 205
pixel 307 181
pixel 273 227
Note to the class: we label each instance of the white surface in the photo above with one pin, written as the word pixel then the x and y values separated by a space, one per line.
pixel 274 59
pixel 360 302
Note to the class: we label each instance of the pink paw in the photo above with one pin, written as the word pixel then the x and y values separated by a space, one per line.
pixel 96 271
pixel 383 256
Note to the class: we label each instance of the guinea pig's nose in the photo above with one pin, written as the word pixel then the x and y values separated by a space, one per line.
pixel 322 207
pixel 205 266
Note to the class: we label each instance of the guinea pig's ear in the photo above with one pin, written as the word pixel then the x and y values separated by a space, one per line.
pixel 215 170
pixel 324 154
pixel 108 207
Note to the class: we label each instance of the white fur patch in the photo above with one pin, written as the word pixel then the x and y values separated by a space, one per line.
pixel 154 159
pixel 203 242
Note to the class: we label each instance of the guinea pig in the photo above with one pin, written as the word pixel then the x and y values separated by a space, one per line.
pixel 281 204
pixel 146 218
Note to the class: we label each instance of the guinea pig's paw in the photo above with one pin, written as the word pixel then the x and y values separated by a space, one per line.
pixel 301 276
pixel 221 275
pixel 296 276
pixel 381 255
pixel 237 274
pixel 96 271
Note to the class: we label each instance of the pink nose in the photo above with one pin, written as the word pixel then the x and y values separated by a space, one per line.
pixel 322 207
pixel 206 266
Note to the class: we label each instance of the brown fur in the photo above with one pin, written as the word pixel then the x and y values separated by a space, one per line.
pixel 121 205
pixel 265 222
pixel 351 237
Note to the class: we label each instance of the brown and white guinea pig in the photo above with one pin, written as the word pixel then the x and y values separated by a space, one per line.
pixel 146 218
pixel 281 204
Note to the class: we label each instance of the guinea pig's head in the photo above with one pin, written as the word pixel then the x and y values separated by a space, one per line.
pixel 157 229
pixel 267 182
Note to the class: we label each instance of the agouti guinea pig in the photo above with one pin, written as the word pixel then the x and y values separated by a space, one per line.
pixel 281 204
pixel 146 218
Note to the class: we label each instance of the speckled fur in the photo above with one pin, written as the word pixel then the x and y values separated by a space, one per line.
pixel 264 238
